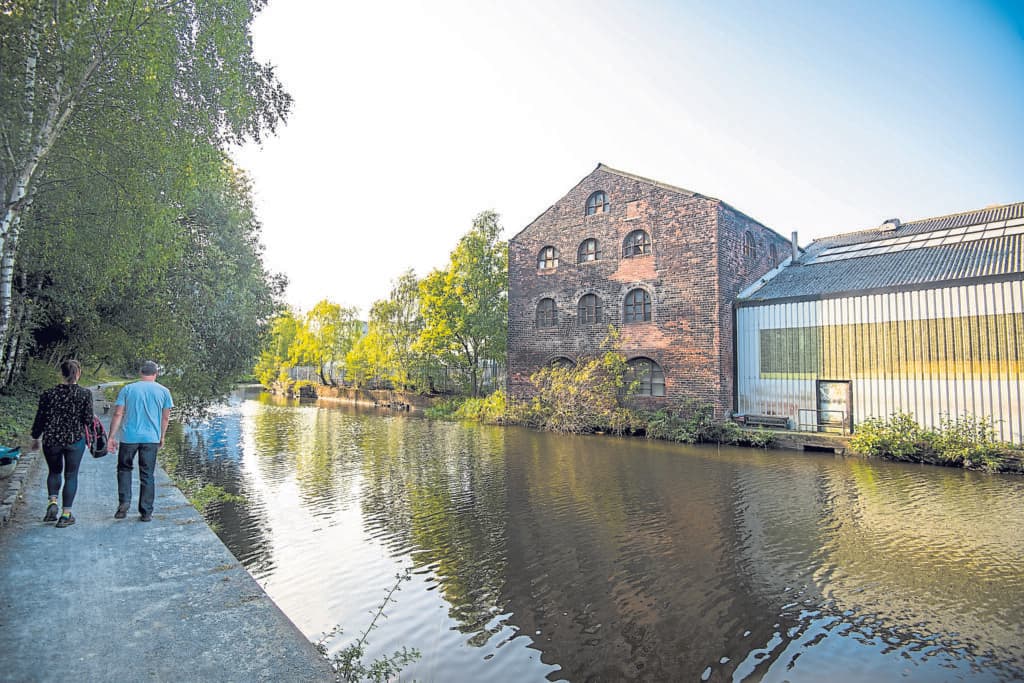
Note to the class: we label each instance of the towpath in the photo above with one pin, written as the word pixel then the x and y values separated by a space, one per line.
pixel 108 599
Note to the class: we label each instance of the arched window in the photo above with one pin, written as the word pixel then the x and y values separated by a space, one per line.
pixel 589 309
pixel 597 203
pixel 562 362
pixel 649 376
pixel 588 251
pixel 637 243
pixel 749 248
pixel 547 313
pixel 547 258
pixel 773 252
pixel 638 306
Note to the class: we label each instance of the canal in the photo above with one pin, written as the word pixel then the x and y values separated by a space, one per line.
pixel 541 557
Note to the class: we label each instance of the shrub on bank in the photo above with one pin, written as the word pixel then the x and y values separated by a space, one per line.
pixel 966 441
pixel 16 412
pixel 582 398
pixel 692 421
pixel 18 403
pixel 491 409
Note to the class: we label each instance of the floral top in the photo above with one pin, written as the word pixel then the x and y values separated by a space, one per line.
pixel 63 413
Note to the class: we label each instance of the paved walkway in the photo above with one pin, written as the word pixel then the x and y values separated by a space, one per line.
pixel 124 600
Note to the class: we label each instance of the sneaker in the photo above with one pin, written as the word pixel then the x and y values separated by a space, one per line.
pixel 122 511
pixel 65 520
pixel 146 517
pixel 51 513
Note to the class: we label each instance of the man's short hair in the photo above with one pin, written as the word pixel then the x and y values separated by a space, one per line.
pixel 148 368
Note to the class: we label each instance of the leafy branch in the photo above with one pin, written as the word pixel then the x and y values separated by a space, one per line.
pixel 348 663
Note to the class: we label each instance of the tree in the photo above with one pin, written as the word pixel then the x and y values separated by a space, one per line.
pixel 465 306
pixel 328 335
pixel 184 282
pixel 275 359
pixel 79 72
pixel 387 350
pixel 368 359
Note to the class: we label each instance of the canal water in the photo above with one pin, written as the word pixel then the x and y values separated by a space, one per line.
pixel 542 557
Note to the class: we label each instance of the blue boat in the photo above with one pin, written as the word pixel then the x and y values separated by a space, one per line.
pixel 8 460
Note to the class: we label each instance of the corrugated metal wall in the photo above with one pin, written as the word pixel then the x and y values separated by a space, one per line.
pixel 934 353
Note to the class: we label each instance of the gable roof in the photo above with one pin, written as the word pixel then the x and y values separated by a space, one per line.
pixel 656 183
pixel 984 243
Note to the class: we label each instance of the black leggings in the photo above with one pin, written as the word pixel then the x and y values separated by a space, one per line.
pixel 64 460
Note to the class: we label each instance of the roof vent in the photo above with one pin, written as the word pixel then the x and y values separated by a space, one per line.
pixel 889 225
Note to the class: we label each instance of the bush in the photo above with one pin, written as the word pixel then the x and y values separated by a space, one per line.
pixel 897 437
pixel 443 410
pixel 692 421
pixel 965 441
pixel 16 412
pixel 581 399
pixel 489 409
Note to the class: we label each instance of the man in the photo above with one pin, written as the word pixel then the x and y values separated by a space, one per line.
pixel 144 408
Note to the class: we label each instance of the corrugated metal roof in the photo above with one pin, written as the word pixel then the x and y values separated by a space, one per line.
pixel 999 255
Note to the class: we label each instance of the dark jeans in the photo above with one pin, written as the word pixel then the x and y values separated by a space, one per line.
pixel 64 459
pixel 147 467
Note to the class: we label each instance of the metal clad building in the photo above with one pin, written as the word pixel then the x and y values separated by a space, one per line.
pixel 925 318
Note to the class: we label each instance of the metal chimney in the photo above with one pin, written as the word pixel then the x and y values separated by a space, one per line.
pixel 796 249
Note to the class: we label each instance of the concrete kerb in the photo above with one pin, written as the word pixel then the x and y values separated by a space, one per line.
pixel 12 487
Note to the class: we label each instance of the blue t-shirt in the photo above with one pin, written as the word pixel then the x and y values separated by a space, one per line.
pixel 144 403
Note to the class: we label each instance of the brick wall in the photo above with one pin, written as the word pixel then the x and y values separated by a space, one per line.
pixel 691 295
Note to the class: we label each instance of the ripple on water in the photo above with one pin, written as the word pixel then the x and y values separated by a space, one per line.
pixel 537 556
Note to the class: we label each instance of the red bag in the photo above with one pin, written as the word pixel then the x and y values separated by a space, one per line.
pixel 96 438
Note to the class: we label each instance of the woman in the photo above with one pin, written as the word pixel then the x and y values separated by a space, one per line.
pixel 64 411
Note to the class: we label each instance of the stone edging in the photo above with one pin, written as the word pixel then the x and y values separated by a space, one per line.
pixel 11 488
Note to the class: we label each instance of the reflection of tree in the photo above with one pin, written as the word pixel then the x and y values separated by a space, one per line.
pixel 310 444
pixel 439 488
pixel 211 452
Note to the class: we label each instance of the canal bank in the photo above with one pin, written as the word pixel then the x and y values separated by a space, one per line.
pixel 112 599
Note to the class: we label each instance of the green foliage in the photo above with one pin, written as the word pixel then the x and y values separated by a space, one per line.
pixel 898 437
pixel 465 306
pixel 691 421
pixel 275 358
pixel 488 409
pixel 131 233
pixel 201 495
pixel 17 409
pixel 18 403
pixel 444 409
pixel 387 353
pixel 582 398
pixel 321 338
pixel 966 441
pixel 328 334
pixel 348 663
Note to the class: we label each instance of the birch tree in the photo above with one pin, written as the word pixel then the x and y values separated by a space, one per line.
pixel 69 67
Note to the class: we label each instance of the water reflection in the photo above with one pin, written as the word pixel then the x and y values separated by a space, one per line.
pixel 593 558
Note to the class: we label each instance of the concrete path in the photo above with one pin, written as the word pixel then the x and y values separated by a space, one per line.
pixel 124 600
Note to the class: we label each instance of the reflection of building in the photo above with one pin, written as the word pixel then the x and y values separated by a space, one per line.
pixel 924 317
pixel 659 263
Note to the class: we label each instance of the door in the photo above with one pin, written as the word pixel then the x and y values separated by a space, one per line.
pixel 835 405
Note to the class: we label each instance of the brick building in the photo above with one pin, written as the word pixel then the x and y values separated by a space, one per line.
pixel 661 264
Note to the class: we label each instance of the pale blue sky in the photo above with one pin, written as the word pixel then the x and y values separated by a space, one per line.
pixel 819 117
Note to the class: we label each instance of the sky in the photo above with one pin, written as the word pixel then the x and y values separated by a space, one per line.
pixel 820 117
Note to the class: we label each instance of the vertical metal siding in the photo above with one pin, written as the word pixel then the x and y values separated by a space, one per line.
pixel 934 353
